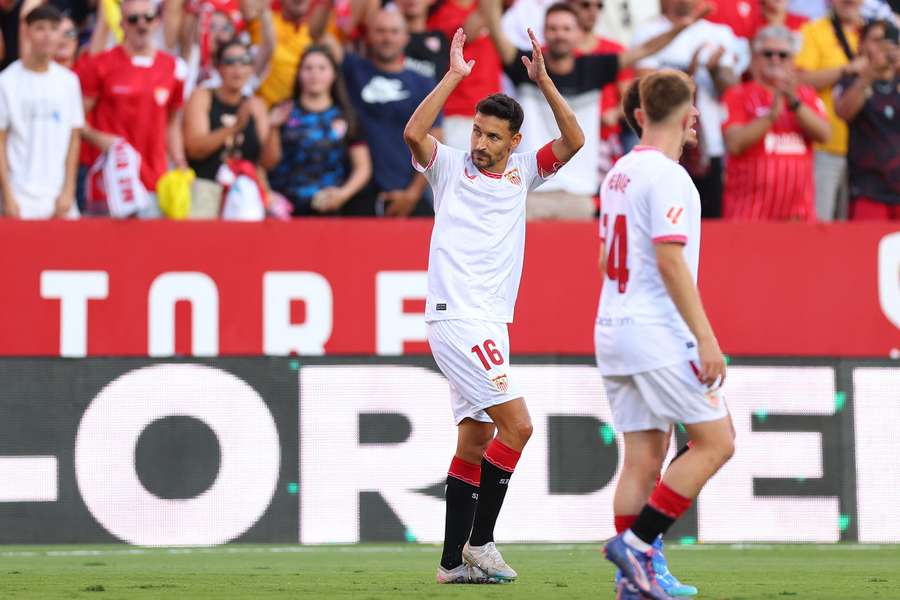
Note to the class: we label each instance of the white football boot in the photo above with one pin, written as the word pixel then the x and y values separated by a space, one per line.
pixel 488 559
pixel 463 574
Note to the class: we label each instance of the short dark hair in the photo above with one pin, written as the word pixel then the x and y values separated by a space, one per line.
pixel 662 92
pixel 631 101
pixel 560 7
pixel 890 30
pixel 44 12
pixel 502 107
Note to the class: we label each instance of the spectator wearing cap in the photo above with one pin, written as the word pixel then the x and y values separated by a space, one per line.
pixel 715 58
pixel 870 103
pixel 40 121
pixel 827 54
pixel 316 155
pixel 771 125
pixel 134 91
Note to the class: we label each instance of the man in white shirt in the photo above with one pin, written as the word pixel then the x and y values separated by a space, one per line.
pixel 40 120
pixel 474 268
pixel 660 361
pixel 715 58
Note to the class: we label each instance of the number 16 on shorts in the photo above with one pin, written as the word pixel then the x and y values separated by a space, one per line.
pixel 473 355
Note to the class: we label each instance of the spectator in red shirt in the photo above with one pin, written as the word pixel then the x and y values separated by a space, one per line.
pixel 134 91
pixel 746 17
pixel 459 110
pixel 775 12
pixel 771 125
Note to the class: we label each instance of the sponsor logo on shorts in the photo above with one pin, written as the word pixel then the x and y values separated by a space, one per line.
pixel 501 382
pixel 441 306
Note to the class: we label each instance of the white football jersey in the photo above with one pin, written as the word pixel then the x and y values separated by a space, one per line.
pixel 478 241
pixel 646 198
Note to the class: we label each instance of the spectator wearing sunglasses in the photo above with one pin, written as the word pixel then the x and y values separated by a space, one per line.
pixel 870 103
pixel 134 91
pixel 771 125
pixel 40 119
pixel 223 123
pixel 67 50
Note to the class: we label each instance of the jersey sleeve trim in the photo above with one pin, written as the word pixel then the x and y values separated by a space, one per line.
pixel 670 239
pixel 547 161
pixel 430 164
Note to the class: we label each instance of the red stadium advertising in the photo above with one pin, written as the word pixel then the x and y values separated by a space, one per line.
pixel 357 287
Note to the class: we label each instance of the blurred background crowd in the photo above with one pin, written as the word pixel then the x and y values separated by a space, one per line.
pixel 253 109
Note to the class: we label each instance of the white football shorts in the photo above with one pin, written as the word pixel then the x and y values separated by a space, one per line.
pixel 474 357
pixel 660 398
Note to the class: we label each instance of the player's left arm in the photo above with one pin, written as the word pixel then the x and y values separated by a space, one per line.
pixel 657 43
pixel 417 134
pixel 571 137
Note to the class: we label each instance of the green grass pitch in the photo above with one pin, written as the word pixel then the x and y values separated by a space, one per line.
pixel 376 572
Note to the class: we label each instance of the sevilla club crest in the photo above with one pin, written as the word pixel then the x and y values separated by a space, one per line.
pixel 513 177
pixel 501 382
pixel 161 95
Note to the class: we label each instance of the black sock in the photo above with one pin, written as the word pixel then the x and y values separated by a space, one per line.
pixel 680 453
pixel 494 482
pixel 462 497
pixel 650 524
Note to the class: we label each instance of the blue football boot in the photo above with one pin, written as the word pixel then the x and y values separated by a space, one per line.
pixel 664 577
pixel 636 568
pixel 626 591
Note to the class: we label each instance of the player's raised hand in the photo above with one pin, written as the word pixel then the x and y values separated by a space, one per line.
pixel 712 362
pixel 458 63
pixel 535 65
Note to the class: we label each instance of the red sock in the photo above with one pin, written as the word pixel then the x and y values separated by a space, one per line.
pixel 669 502
pixel 624 522
pixel 465 471
pixel 502 456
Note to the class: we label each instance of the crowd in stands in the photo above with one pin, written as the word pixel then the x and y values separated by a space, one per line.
pixel 248 109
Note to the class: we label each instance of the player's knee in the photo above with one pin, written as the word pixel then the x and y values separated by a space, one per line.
pixel 726 449
pixel 643 467
pixel 524 429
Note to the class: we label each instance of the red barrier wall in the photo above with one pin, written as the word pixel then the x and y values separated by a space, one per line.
pixel 780 289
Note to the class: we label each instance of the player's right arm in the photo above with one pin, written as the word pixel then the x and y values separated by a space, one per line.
pixel 680 284
pixel 416 133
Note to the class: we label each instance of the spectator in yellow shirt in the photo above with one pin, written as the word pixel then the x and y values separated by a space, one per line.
pixel 298 24
pixel 828 54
